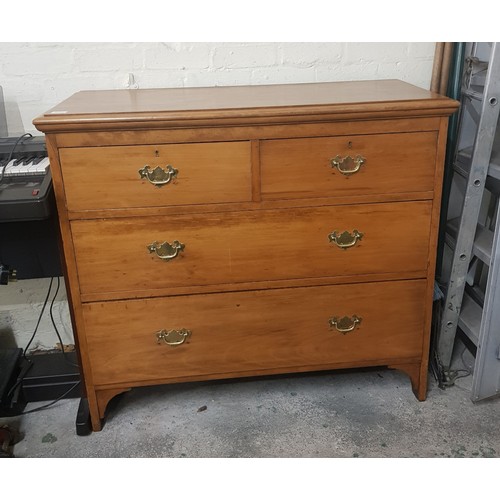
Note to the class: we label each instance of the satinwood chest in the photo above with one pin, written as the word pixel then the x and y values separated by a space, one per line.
pixel 238 231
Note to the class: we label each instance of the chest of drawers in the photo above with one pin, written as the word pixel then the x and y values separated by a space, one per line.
pixel 227 232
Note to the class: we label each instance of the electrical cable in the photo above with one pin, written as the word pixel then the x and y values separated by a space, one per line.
pixel 30 363
pixel 454 375
pixel 55 327
pixel 2 173
pixel 52 402
pixel 39 318
pixel 466 374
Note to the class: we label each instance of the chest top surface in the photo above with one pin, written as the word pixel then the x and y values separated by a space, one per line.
pixel 313 101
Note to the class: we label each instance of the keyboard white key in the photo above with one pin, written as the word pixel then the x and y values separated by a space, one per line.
pixel 41 168
pixel 23 169
pixel 29 169
pixel 9 169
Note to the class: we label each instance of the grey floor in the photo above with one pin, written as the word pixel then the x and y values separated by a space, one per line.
pixel 369 413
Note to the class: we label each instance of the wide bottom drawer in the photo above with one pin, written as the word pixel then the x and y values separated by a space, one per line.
pixel 243 332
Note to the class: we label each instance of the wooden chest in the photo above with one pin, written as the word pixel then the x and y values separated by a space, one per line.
pixel 235 231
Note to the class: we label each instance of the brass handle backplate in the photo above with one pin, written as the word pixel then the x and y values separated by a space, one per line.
pixel 158 176
pixel 347 165
pixel 165 250
pixel 345 240
pixel 173 337
pixel 345 325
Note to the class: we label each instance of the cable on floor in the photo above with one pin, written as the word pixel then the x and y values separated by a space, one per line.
pixel 43 407
pixel 30 363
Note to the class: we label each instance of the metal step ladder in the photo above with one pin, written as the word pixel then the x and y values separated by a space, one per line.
pixel 471 265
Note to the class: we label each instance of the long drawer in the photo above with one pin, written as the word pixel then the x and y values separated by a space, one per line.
pixel 241 332
pixel 156 175
pixel 140 253
pixel 379 164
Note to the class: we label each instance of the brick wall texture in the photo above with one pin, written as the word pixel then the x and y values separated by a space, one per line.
pixel 37 76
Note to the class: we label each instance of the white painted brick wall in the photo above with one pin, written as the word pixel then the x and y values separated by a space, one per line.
pixel 37 76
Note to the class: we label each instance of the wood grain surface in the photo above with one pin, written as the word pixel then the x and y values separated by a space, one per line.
pixel 302 168
pixel 150 108
pixel 248 331
pixel 108 177
pixel 251 246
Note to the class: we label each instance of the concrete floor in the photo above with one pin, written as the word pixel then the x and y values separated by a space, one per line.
pixel 371 413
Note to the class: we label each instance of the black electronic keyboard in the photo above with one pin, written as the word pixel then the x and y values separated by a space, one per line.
pixel 26 184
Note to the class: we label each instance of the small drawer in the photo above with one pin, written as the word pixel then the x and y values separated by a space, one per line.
pixel 243 333
pixel 379 164
pixel 124 255
pixel 156 175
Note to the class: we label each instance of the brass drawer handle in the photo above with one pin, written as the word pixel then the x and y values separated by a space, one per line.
pixel 158 176
pixel 173 337
pixel 165 250
pixel 347 165
pixel 345 240
pixel 345 325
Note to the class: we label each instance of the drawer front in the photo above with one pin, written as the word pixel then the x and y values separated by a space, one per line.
pixel 109 177
pixel 123 255
pixel 380 164
pixel 243 332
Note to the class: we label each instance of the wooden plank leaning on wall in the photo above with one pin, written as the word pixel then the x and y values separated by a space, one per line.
pixel 441 67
